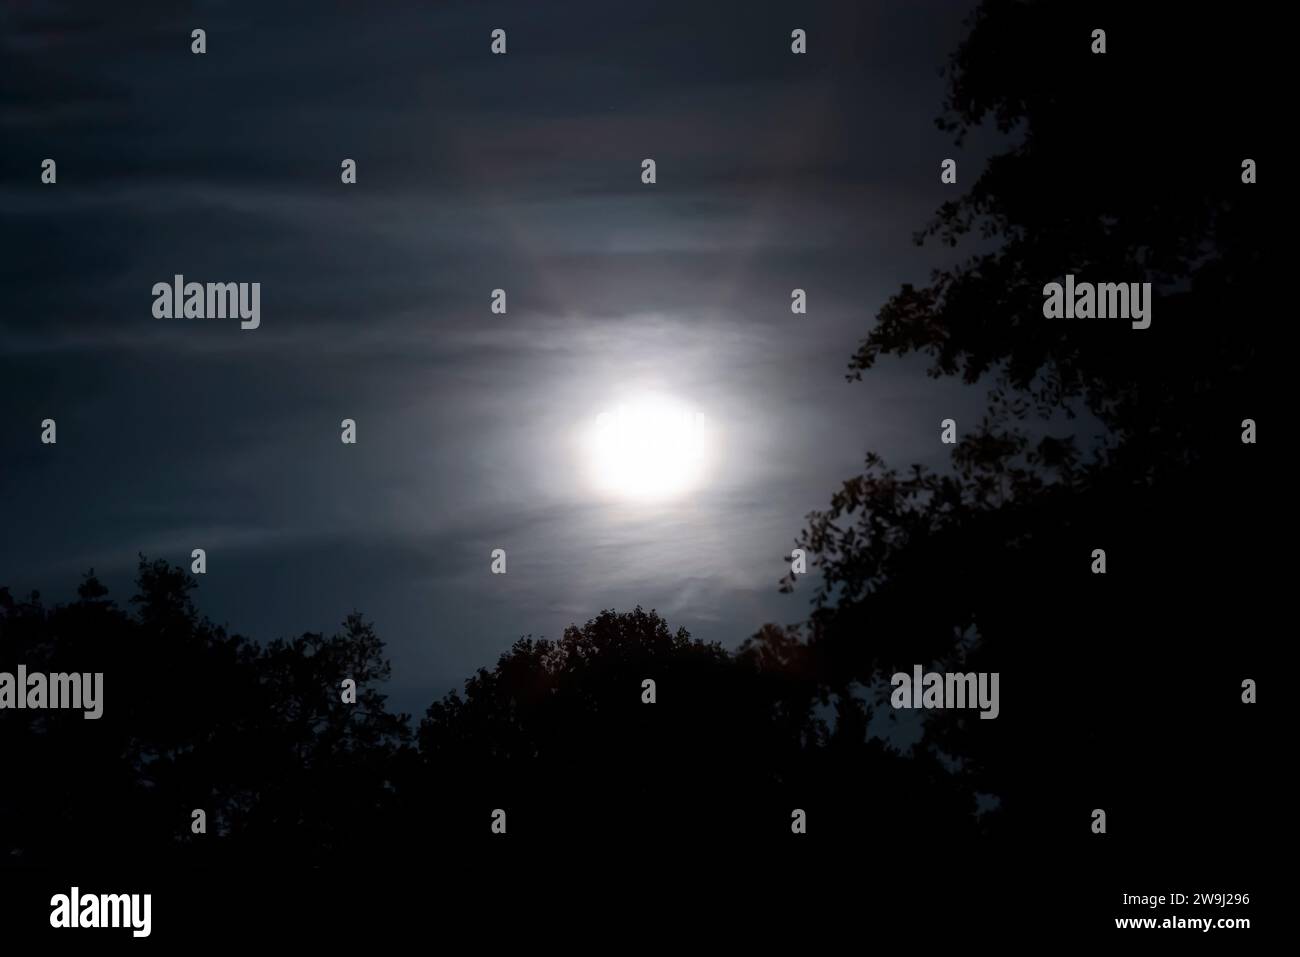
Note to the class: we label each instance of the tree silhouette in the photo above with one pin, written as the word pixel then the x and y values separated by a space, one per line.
pixel 194 718
pixel 1123 167
pixel 558 733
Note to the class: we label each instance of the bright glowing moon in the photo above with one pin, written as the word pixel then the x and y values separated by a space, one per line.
pixel 650 448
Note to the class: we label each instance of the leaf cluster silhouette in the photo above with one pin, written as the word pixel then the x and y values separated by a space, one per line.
pixel 1122 167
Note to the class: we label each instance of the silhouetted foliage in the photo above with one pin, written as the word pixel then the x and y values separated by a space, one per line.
pixel 256 736
pixel 557 734
pixel 1123 167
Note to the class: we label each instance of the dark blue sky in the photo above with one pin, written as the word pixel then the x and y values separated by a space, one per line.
pixel 476 171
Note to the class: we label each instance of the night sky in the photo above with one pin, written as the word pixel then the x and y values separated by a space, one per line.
pixel 475 172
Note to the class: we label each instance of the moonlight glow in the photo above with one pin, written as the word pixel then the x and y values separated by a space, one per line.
pixel 647 449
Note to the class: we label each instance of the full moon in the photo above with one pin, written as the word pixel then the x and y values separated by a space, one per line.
pixel 648 448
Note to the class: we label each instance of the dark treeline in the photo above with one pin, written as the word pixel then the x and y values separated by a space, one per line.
pixel 556 734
